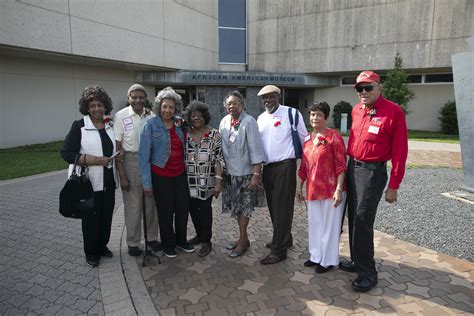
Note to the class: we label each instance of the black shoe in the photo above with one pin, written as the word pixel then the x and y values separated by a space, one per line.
pixel 321 269
pixel 347 266
pixel 154 245
pixel 170 253
pixel 205 249
pixel 92 260
pixel 309 263
pixel 364 283
pixel 134 251
pixel 194 241
pixel 272 259
pixel 106 253
pixel 185 247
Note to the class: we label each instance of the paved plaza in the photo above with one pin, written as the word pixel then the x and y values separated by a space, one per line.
pixel 43 271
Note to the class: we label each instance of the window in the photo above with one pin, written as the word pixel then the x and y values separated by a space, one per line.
pixel 351 80
pixel 414 78
pixel 232 32
pixel 435 78
pixel 348 80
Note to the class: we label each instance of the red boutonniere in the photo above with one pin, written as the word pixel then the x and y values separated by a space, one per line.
pixel 205 136
pixel 277 123
pixel 322 140
pixel 178 121
pixel 108 120
pixel 235 124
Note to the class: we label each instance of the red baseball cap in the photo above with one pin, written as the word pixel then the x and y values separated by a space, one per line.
pixel 367 76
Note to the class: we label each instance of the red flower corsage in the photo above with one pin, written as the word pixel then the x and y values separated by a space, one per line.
pixel 322 140
pixel 206 136
pixel 235 124
pixel 277 123
pixel 178 121
pixel 108 120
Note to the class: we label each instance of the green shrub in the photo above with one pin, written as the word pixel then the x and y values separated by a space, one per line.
pixel 449 118
pixel 148 104
pixel 342 107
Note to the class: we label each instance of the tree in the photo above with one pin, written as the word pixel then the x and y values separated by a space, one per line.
pixel 395 86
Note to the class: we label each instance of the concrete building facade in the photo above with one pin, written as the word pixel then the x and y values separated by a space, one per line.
pixel 51 49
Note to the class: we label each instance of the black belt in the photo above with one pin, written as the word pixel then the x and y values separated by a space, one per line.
pixel 276 163
pixel 368 165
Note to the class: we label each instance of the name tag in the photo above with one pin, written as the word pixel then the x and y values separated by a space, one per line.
pixel 128 127
pixel 374 129
pixel 127 124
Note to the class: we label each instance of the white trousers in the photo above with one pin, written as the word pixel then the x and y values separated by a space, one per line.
pixel 324 231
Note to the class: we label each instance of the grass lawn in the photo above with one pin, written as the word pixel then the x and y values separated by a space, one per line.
pixel 432 137
pixel 34 159
pixel 29 160
pixel 422 136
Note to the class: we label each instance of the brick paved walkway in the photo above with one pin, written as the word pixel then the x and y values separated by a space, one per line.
pixel 429 158
pixel 412 280
pixel 42 266
pixel 42 269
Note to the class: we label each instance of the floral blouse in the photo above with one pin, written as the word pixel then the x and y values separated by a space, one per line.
pixel 323 161
pixel 201 161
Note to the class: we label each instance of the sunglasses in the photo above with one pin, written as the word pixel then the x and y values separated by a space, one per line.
pixel 366 88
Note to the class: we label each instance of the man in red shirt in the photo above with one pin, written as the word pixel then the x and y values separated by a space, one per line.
pixel 378 134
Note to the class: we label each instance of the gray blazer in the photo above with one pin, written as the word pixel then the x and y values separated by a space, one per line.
pixel 242 148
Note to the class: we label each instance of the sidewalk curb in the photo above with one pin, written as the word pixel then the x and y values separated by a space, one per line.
pixel 35 176
pixel 121 283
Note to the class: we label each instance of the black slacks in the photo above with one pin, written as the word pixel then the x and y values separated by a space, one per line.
pixel 96 226
pixel 172 202
pixel 279 182
pixel 201 214
pixel 364 190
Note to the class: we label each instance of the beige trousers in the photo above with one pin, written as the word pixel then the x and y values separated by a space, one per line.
pixel 133 205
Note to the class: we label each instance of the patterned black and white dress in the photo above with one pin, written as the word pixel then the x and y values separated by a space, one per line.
pixel 201 161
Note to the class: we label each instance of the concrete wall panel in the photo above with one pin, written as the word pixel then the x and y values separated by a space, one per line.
pixel 39 100
pixel 425 107
pixel 190 27
pixel 104 41
pixel 357 34
pixel 206 7
pixel 177 55
pixel 33 27
pixel 61 6
pixel 143 17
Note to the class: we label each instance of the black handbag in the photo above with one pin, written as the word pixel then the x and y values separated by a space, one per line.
pixel 294 134
pixel 77 196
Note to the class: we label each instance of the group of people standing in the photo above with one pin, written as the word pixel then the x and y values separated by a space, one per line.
pixel 169 167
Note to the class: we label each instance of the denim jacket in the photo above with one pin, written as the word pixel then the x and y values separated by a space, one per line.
pixel 155 148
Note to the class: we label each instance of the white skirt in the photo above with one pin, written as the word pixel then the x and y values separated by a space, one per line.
pixel 324 231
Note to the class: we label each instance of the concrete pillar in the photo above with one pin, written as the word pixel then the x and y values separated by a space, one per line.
pixel 343 123
pixel 463 73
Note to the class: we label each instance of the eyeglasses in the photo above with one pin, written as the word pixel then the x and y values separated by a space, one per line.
pixel 230 103
pixel 366 88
